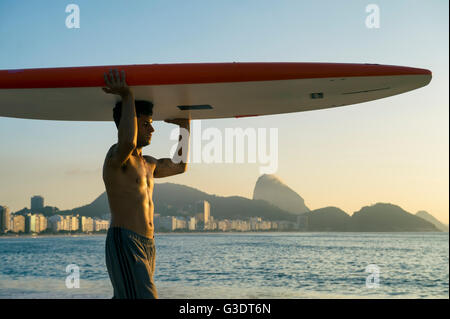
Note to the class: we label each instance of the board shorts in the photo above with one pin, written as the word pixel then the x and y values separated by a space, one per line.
pixel 130 260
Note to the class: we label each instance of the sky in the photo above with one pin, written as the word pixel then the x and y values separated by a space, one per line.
pixel 393 150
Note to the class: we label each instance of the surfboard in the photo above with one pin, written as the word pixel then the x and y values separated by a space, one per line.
pixel 202 90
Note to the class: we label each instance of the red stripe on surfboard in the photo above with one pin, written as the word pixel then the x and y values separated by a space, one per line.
pixel 194 73
pixel 238 116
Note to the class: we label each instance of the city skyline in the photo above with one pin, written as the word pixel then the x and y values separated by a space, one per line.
pixel 37 223
pixel 206 209
pixel 393 150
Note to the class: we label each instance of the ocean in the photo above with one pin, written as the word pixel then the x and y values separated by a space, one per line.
pixel 238 265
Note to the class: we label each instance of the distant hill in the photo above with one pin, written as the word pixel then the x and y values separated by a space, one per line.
pixel 175 199
pixel 24 211
pixel 380 217
pixel 271 189
pixel 430 218
pixel 46 211
pixel 170 199
pixel 384 217
pixel 99 208
pixel 326 219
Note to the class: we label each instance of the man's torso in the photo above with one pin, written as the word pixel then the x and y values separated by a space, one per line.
pixel 130 190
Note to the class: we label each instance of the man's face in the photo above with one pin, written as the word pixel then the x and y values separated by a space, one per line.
pixel 145 130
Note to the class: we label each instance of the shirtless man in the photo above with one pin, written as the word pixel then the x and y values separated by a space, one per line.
pixel 128 178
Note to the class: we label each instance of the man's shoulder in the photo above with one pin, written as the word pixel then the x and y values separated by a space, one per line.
pixel 111 150
pixel 110 156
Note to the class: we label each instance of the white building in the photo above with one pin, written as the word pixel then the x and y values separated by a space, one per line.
pixel 264 225
pixel 41 223
pixel 224 225
pixel 101 224
pixel 240 225
pixel 18 223
pixel 87 224
pixel 166 223
pixel 191 223
pixel 170 223
pixel 203 213
pixel 30 223
pixel 5 217
pixel 180 223
pixel 254 223
pixel 70 223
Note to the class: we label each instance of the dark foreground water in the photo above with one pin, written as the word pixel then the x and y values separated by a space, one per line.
pixel 240 265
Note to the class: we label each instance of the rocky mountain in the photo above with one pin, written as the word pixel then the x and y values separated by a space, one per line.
pixel 430 218
pixel 271 189
pixel 383 217
pixel 326 219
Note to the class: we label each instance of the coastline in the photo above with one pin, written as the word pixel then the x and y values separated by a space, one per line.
pixel 215 233
pixel 49 235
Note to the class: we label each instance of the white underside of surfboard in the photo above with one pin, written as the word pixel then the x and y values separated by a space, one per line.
pixel 208 101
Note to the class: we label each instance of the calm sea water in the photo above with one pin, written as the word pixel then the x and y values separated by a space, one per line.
pixel 240 265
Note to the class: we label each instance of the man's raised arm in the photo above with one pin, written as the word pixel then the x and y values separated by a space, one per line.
pixel 127 130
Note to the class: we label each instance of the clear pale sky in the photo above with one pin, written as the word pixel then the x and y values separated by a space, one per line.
pixel 392 150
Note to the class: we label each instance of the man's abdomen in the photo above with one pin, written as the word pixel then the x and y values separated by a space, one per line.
pixel 138 219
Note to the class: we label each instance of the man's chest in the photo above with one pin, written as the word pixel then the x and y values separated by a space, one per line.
pixel 139 172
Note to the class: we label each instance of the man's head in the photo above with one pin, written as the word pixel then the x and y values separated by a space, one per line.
pixel 144 113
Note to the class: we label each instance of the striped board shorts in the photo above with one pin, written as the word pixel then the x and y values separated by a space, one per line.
pixel 130 260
